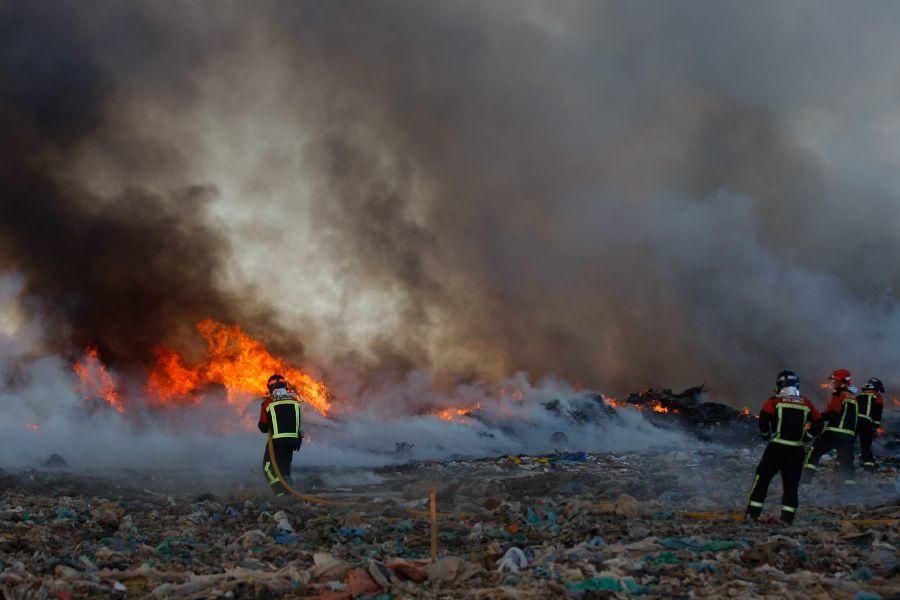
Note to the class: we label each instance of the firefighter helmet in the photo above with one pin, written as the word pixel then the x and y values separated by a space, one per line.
pixel 841 377
pixel 275 382
pixel 787 379
pixel 875 385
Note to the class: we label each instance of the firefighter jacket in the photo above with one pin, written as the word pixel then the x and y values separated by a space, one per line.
pixel 841 413
pixel 785 416
pixel 280 412
pixel 870 405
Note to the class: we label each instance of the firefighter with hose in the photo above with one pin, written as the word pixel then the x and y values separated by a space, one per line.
pixel 280 417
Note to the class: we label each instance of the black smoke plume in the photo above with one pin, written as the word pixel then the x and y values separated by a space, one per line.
pixel 618 194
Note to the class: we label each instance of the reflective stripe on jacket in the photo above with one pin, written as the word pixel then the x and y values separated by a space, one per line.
pixel 841 413
pixel 784 419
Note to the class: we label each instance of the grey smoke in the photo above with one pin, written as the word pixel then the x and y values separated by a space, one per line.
pixel 617 194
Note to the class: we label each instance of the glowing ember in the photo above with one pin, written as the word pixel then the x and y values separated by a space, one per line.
pixel 456 414
pixel 95 380
pixel 654 405
pixel 611 401
pixel 233 359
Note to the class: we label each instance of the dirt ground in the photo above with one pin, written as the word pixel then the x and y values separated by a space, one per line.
pixel 652 524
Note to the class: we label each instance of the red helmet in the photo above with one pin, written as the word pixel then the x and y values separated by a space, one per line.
pixel 841 377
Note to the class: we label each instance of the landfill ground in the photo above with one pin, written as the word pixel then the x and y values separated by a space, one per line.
pixel 594 526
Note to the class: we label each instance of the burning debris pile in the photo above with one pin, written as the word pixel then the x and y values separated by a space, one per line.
pixel 657 524
pixel 710 421
pixel 233 360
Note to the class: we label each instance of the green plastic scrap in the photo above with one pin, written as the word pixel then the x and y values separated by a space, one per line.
pixel 689 544
pixel 611 584
pixel 404 526
pixel 596 584
pixel 665 558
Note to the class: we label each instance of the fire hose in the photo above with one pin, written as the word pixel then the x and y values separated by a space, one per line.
pixel 431 513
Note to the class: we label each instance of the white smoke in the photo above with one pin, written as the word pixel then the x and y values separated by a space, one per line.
pixel 43 414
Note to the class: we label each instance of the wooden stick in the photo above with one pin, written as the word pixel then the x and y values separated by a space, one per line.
pixel 432 516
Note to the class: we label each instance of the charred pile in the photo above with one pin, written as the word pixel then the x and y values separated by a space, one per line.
pixel 709 421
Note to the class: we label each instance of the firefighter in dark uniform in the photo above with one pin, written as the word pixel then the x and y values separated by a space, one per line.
pixel 787 420
pixel 280 415
pixel 870 403
pixel 840 430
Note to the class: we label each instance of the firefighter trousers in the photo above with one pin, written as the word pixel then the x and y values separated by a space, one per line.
pixel 828 441
pixel 284 455
pixel 777 457
pixel 865 429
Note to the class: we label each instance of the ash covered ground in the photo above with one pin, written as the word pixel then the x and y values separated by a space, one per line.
pixel 655 523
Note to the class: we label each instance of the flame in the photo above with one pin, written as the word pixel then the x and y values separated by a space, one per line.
pixel 95 380
pixel 611 401
pixel 456 414
pixel 233 359
pixel 654 406
pixel 745 412
pixel 32 426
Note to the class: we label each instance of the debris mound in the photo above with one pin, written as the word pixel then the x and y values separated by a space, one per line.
pixel 658 524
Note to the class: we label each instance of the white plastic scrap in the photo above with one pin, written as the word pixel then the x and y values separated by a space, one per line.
pixel 513 561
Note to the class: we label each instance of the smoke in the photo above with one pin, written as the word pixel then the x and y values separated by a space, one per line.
pixel 611 195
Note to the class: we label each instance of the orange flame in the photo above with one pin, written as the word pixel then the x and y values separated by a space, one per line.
pixel 456 414
pixel 654 406
pixel 32 426
pixel 234 360
pixel 611 401
pixel 95 380
pixel 745 411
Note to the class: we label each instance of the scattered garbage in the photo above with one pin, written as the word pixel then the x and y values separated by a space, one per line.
pixel 513 561
pixel 569 524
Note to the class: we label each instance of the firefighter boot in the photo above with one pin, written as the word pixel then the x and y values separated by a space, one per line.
pixel 753 513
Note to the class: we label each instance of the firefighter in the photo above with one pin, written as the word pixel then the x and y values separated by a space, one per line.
pixel 787 420
pixel 280 414
pixel 870 403
pixel 840 429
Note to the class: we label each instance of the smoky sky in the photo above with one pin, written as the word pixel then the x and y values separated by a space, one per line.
pixel 124 272
pixel 619 194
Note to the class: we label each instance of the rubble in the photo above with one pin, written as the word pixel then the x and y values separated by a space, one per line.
pixel 652 524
